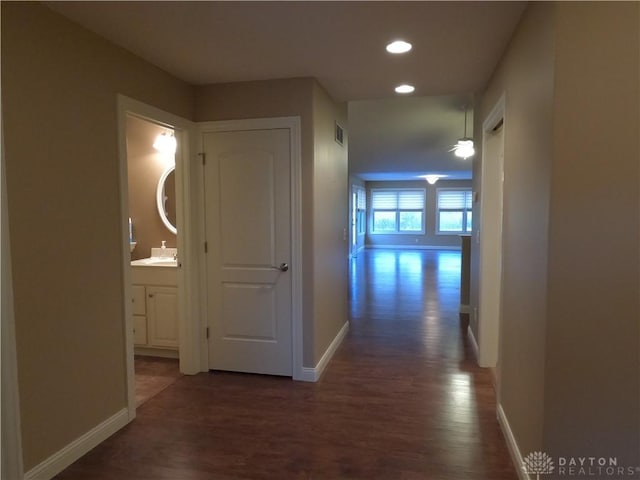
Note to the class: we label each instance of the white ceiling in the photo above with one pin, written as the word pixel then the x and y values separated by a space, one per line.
pixel 404 138
pixel 456 47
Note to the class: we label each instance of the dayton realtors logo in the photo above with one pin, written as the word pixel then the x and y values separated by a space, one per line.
pixel 537 463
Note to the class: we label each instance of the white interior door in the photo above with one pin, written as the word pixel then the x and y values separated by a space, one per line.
pixel 248 232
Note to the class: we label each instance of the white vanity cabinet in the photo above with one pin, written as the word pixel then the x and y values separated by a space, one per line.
pixel 155 309
pixel 162 316
pixel 139 315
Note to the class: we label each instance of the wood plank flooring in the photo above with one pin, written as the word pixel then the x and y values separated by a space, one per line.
pixel 402 399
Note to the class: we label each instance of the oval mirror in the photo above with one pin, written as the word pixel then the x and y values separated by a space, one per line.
pixel 166 198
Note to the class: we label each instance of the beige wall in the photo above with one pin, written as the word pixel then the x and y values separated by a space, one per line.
pixel 430 237
pixel 330 220
pixel 569 357
pixel 59 86
pixel 592 392
pixel 145 166
pixel 525 75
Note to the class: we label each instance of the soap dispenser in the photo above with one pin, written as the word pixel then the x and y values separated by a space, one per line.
pixel 164 248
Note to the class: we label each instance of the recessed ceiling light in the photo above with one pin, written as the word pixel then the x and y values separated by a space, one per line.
pixel 399 46
pixel 404 88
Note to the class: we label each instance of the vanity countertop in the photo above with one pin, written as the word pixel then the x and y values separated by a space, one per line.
pixel 155 262
pixel 154 271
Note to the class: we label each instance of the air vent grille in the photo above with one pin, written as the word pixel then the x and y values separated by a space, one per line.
pixel 339 134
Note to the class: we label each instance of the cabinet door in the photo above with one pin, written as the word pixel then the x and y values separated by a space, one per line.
pixel 139 330
pixel 162 316
pixel 138 300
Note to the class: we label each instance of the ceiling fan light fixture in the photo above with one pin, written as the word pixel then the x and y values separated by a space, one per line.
pixel 404 88
pixel 399 46
pixel 464 148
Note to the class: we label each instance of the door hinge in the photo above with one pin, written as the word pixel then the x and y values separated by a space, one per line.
pixel 204 158
pixel 207 332
pixel 206 247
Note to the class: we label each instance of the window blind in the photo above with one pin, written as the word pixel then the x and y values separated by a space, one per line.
pixel 411 200
pixel 361 199
pixel 454 199
pixel 384 200
pixel 397 199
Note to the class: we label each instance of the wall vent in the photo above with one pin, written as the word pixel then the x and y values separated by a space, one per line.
pixel 339 134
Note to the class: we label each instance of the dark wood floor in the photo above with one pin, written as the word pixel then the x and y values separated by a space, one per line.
pixel 401 399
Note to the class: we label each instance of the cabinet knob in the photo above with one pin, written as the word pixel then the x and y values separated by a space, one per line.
pixel 151 295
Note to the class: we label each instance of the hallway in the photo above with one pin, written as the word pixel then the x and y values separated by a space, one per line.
pixel 402 399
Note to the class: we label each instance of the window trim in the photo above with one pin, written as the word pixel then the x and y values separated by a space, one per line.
pixel 397 211
pixel 464 211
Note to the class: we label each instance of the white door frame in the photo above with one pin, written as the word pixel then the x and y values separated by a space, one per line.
pixel 355 249
pixel 293 124
pixel 353 222
pixel 189 328
pixel 490 287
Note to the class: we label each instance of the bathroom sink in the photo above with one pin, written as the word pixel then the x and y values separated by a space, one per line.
pixel 155 262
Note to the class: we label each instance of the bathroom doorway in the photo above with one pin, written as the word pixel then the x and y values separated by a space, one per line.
pixel 161 340
pixel 153 237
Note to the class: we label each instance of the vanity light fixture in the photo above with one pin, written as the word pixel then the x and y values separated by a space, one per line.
pixel 165 143
pixel 404 88
pixel 399 46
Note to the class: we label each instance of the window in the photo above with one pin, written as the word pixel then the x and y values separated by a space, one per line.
pixel 397 211
pixel 361 209
pixel 454 210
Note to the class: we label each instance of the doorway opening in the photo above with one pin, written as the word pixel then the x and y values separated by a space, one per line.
pixel 153 236
pixel 160 300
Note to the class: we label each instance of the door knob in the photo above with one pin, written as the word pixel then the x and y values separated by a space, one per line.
pixel 283 267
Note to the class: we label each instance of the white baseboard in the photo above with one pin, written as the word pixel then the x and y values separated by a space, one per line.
pixel 313 374
pixel 474 343
pixel 516 456
pixel 415 247
pixel 60 460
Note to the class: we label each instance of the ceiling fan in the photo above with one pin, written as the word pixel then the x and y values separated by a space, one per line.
pixel 464 148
